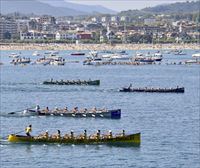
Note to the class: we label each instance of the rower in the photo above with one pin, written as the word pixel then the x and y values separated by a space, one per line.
pixel 123 133
pixel 66 109
pixel 37 108
pixel 46 134
pixel 110 134
pixel 94 109
pixel 28 130
pixel 85 134
pixel 98 134
pixel 72 134
pixel 75 110
pixel 47 109
pixel 58 134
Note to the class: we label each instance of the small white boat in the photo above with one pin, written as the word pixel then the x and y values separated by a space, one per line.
pixel 14 55
pixel 191 61
pixel 197 55
pixel 35 53
pixel 57 62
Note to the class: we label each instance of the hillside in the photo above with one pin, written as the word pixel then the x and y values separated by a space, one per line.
pixel 80 7
pixel 55 8
pixel 179 7
pixel 174 8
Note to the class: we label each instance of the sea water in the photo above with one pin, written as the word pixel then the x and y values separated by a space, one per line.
pixel 168 122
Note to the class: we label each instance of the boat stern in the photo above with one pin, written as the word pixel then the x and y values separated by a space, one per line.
pixel 12 138
pixel 116 114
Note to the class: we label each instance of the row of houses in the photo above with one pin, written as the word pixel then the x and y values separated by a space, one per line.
pixel 35 35
pixel 46 27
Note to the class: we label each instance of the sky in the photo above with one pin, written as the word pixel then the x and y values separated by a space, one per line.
pixel 119 5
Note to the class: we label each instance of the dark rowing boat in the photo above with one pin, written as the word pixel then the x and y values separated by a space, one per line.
pixel 77 54
pixel 158 90
pixel 73 82
pixel 113 114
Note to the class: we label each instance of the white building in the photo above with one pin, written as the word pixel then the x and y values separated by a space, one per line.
pixel 31 35
pixel 65 35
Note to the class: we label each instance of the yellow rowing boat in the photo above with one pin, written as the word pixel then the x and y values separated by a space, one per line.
pixel 132 139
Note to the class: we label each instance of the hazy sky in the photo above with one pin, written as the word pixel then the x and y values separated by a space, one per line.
pixel 119 5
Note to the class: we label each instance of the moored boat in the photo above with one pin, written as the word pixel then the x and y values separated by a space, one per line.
pixel 36 53
pixel 72 82
pixel 78 54
pixel 127 140
pixel 14 55
pixel 18 61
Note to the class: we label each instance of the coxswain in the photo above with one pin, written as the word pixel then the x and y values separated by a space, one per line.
pixel 28 130
pixel 130 86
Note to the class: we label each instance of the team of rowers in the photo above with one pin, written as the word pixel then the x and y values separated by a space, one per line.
pixel 65 110
pixel 71 136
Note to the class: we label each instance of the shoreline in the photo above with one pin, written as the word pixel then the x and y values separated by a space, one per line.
pixel 51 46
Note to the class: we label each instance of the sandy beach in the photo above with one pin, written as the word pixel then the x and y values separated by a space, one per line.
pixel 21 46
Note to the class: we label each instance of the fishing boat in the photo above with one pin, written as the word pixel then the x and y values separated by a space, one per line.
pixel 124 140
pixel 72 82
pixel 158 90
pixel 77 54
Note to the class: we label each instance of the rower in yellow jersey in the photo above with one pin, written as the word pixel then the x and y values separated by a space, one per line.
pixel 28 130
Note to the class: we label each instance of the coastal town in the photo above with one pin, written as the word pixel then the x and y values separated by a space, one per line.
pixel 121 28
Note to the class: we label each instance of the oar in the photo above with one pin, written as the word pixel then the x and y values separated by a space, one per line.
pixel 13 112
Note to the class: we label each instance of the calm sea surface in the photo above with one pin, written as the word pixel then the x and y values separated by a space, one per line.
pixel 169 123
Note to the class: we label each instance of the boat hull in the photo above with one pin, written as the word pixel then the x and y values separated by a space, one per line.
pixel 173 90
pixel 113 114
pixel 133 139
pixel 94 82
